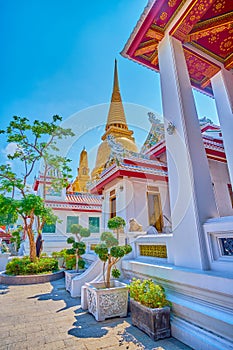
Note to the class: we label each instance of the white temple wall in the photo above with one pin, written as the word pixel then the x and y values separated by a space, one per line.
pixel 83 220
pixel 220 178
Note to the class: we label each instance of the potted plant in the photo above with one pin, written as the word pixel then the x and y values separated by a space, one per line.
pixel 108 298
pixel 77 250
pixel 78 247
pixel 150 309
pixel 116 223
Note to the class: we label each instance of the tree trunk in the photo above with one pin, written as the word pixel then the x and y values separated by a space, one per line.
pixel 77 259
pixel 32 244
pixel 108 275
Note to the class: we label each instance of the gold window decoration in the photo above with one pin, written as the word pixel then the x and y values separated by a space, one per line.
pixel 157 251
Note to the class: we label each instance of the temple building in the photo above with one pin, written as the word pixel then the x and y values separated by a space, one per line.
pixel 190 44
pixel 116 126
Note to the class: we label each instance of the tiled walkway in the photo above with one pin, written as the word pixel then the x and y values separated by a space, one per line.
pixel 44 316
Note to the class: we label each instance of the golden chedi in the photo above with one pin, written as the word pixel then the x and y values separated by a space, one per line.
pixel 116 126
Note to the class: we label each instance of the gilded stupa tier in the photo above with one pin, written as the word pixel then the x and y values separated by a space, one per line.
pixel 116 126
pixel 80 183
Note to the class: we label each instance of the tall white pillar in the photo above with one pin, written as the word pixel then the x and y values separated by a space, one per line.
pixel 222 84
pixel 191 194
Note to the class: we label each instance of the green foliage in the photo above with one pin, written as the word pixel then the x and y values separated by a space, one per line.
pixel 102 251
pixel 81 263
pixel 78 247
pixel 116 222
pixel 32 146
pixel 109 239
pixel 16 238
pixel 70 240
pixel 148 293
pixel 8 210
pixel 110 252
pixel 60 254
pixel 85 232
pixel 116 273
pixel 117 252
pixel 70 262
pixel 24 266
pixel 79 231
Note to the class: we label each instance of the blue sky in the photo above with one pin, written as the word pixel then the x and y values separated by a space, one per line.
pixel 57 57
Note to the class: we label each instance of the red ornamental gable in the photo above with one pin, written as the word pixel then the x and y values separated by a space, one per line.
pixel 205 24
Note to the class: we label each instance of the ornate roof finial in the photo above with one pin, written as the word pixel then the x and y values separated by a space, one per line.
pixel 116 96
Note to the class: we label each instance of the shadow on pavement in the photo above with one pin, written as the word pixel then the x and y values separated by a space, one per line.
pixel 58 293
pixel 4 289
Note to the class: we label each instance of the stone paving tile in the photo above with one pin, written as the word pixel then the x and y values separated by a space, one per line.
pixel 44 316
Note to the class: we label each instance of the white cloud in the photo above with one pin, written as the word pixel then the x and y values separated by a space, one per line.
pixel 10 148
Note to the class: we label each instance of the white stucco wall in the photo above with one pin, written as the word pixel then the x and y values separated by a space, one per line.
pixel 220 178
pixel 131 195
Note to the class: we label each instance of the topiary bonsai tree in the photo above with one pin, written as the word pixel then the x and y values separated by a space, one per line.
pixel 110 253
pixel 116 223
pixel 78 247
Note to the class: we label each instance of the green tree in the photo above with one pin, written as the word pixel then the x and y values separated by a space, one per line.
pixel 32 146
pixel 110 253
pixel 78 247
pixel 116 223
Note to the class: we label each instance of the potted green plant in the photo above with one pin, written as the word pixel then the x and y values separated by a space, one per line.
pixel 150 309
pixel 78 247
pixel 108 298
pixel 116 223
pixel 77 250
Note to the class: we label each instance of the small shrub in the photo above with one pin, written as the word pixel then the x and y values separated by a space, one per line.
pixel 70 262
pixel 60 254
pixel 148 293
pixel 24 266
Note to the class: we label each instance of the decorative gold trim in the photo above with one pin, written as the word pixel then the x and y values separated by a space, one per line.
pixel 211 54
pixel 157 251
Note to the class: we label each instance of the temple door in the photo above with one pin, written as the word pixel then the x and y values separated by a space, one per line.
pixel 155 211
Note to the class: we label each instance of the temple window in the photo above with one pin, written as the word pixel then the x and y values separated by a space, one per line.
pixel 70 221
pixel 49 228
pixel 94 224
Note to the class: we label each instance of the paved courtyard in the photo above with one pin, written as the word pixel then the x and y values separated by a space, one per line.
pixel 44 316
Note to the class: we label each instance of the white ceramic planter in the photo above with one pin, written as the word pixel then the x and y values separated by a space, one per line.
pixel 107 302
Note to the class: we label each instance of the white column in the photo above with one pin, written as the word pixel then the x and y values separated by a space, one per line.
pixel 191 194
pixel 222 84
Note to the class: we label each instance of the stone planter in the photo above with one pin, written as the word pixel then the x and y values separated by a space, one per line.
pixel 30 279
pixel 104 302
pixel 154 322
pixel 69 275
